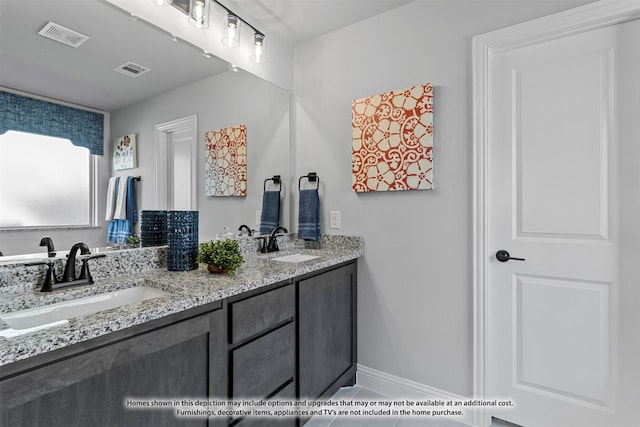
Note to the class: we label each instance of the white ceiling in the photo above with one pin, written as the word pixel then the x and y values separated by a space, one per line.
pixel 296 21
pixel 84 76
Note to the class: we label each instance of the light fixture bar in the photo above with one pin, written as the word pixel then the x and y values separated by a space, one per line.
pixel 231 12
pixel 198 13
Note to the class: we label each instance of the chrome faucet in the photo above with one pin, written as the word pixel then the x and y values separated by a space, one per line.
pixel 272 246
pixel 46 241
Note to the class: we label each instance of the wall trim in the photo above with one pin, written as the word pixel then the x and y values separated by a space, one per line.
pixel 592 16
pixel 395 387
pixel 161 137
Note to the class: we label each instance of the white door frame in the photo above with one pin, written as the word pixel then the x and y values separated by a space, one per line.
pixel 162 131
pixel 585 18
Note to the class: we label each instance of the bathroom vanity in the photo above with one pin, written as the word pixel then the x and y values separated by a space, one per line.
pixel 275 330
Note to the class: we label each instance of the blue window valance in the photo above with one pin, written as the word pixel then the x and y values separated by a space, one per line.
pixel 24 114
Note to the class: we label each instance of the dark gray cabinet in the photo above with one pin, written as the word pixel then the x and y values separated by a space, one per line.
pixel 327 309
pixel 91 388
pixel 262 348
pixel 295 339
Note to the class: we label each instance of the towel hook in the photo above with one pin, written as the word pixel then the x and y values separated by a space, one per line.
pixel 311 177
pixel 276 180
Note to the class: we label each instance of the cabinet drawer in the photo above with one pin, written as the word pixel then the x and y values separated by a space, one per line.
pixel 287 393
pixel 261 312
pixel 262 366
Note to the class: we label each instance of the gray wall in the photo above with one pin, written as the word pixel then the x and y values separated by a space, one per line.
pixel 224 100
pixel 415 294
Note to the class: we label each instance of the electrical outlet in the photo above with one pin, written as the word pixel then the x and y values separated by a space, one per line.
pixel 335 220
pixel 258 216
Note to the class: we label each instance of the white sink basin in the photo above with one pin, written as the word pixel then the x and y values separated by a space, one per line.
pixel 32 319
pixel 295 258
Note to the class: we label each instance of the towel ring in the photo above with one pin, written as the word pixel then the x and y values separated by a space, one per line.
pixel 311 177
pixel 276 180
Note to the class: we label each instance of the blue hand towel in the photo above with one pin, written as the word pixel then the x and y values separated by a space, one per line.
pixel 132 209
pixel 119 229
pixel 309 215
pixel 112 230
pixel 270 217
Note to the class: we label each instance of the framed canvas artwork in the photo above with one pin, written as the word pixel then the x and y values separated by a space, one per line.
pixel 226 161
pixel 125 152
pixel 392 141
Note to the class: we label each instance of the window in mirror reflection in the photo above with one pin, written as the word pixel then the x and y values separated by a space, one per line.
pixel 44 182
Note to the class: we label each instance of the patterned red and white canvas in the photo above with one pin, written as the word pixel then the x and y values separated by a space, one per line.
pixel 226 161
pixel 392 145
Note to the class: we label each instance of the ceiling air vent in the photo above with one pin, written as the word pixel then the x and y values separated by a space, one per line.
pixel 131 69
pixel 62 34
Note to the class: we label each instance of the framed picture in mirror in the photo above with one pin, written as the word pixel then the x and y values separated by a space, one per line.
pixel 125 152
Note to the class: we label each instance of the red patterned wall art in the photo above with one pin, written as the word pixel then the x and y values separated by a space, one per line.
pixel 392 146
pixel 226 161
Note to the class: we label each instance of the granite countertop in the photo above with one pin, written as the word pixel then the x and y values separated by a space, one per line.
pixel 186 289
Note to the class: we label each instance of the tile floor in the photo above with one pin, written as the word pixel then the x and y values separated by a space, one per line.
pixel 358 392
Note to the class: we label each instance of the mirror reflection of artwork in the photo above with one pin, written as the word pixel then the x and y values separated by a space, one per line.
pixel 392 142
pixel 124 152
pixel 226 161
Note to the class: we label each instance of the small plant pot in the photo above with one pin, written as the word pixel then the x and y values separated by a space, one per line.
pixel 215 270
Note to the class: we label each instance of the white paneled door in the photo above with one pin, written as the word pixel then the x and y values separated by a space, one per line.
pixel 562 338
pixel 180 146
pixel 176 164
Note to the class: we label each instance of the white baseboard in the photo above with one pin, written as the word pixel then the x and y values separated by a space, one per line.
pixel 395 387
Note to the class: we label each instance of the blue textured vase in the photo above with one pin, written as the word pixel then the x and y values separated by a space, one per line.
pixel 153 228
pixel 182 238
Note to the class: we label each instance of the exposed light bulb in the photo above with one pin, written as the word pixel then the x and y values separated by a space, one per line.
pixel 259 52
pixel 231 35
pixel 199 13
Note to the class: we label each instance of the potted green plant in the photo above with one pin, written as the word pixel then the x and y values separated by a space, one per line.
pixel 134 240
pixel 221 256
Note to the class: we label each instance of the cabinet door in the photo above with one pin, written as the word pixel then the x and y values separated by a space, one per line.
pixel 91 389
pixel 327 332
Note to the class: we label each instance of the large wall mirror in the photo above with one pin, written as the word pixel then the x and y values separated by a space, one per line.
pixel 181 82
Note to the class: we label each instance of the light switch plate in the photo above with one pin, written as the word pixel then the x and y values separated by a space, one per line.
pixel 335 220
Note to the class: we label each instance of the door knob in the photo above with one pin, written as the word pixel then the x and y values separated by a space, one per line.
pixel 504 256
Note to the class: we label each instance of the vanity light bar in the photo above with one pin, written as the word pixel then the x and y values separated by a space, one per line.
pixel 197 12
